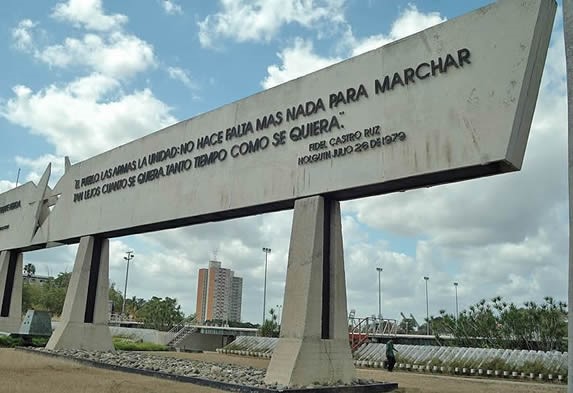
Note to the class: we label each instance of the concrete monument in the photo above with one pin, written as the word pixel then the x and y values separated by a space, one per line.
pixel 450 103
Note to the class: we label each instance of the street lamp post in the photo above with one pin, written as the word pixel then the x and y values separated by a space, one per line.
pixel 266 250
pixel 456 287
pixel 379 270
pixel 128 258
pixel 426 278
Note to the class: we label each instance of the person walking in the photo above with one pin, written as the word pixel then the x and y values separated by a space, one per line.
pixel 390 357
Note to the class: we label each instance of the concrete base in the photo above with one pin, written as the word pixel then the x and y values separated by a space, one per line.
pixel 10 291
pixel 313 360
pixel 79 335
pixel 313 346
pixel 84 322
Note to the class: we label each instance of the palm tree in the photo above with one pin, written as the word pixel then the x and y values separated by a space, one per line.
pixel 29 270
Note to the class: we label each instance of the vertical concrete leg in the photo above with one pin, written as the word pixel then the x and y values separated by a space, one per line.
pixel 313 345
pixel 10 291
pixel 84 321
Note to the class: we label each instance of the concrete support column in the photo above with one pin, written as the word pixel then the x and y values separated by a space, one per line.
pixel 313 345
pixel 10 291
pixel 84 321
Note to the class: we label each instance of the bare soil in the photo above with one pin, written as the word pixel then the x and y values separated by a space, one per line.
pixel 22 372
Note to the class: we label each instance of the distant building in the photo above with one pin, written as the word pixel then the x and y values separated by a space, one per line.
pixel 36 279
pixel 219 294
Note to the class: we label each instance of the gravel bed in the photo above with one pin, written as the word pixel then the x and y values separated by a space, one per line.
pixel 221 372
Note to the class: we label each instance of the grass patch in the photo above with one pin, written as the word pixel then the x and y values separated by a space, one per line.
pixel 125 344
pixel 11 342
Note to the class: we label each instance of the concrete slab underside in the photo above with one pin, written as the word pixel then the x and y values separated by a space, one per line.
pixel 313 345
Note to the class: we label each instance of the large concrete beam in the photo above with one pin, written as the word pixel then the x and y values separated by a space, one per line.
pixel 84 322
pixel 313 345
pixel 10 291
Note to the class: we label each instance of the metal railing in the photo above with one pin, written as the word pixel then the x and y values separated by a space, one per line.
pixel 361 330
pixel 178 332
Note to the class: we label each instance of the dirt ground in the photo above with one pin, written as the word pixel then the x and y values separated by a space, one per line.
pixel 22 372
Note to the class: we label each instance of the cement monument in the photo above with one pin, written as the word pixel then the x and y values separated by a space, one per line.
pixel 450 103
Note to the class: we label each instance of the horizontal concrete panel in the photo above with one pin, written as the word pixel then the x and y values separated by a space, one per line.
pixel 450 103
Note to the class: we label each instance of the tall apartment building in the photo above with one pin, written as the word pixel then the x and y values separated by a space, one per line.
pixel 219 294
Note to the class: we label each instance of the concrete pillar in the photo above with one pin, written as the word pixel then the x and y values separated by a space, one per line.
pixel 313 345
pixel 10 291
pixel 84 321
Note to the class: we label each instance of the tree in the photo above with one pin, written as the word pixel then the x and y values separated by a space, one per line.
pixel 160 314
pixel 270 327
pixel 116 298
pixel 133 305
pixel 54 293
pixel 29 270
pixel 498 324
pixel 32 297
pixel 62 280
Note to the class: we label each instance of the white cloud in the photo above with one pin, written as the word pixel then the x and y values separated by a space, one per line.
pixel 80 119
pixel 171 7
pixel 181 75
pixel 90 113
pixel 6 185
pixel 22 35
pixel 296 61
pixel 35 167
pixel 119 55
pixel 109 50
pixel 410 21
pixel 173 258
pixel 261 20
pixel 88 14
pixel 300 59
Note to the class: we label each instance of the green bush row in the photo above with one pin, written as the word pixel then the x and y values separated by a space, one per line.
pixel 123 344
pixel 11 342
pixel 535 367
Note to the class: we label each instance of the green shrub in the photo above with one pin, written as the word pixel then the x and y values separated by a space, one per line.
pixel 26 341
pixel 123 344
pixel 10 342
pixel 39 341
pixel 496 364
pixel 459 363
pixel 536 367
pixel 435 362
pixel 403 359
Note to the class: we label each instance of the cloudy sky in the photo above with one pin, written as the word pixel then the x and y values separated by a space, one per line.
pixel 79 77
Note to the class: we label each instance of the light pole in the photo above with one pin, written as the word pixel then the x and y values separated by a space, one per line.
pixel 568 35
pixel 128 258
pixel 379 270
pixel 456 287
pixel 266 250
pixel 426 278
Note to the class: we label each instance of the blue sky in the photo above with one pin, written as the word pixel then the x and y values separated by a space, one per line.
pixel 81 77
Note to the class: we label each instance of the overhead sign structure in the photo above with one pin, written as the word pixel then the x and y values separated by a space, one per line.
pixel 450 103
